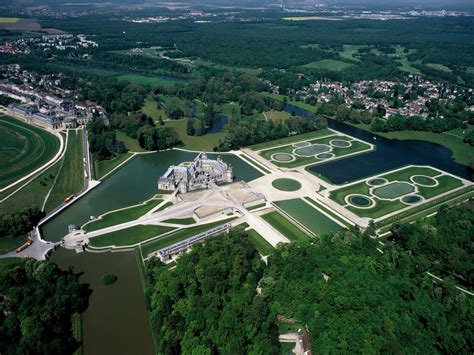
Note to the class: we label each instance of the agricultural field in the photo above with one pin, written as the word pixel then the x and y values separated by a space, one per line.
pixel 121 216
pixel 328 64
pixel 309 217
pixel 70 179
pixel 382 194
pixel 24 148
pixel 314 151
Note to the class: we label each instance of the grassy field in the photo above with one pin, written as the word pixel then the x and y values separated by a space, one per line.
pixel 309 217
pixel 328 64
pixel 70 179
pixel 129 236
pixel 286 184
pixel 439 67
pixel 122 216
pixel 24 149
pixel 184 221
pixel 8 244
pixel 300 104
pixel 205 63
pixel 33 194
pixel 9 19
pixel 292 139
pixel 263 247
pixel 131 143
pixel 285 227
pixel 103 167
pixel 178 236
pixel 147 80
pixel 383 207
pixel 277 116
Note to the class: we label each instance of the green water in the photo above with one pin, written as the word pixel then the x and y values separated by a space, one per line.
pixel 132 184
pixel 116 321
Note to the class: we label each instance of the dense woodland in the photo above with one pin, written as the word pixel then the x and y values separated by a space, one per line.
pixel 19 223
pixel 353 298
pixel 209 304
pixel 37 300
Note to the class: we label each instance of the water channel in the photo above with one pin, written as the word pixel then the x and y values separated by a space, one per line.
pixel 389 154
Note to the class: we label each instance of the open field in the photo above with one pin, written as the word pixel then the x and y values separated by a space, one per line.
pixel 309 217
pixel 152 109
pixel 129 236
pixel 9 19
pixel 263 247
pixel 147 80
pixel 178 236
pixel 277 116
pixel 70 179
pixel 285 227
pixel 309 151
pixel 121 216
pixel 23 149
pixel 131 143
pixel 439 67
pixel 328 64
pixel 379 195
pixel 205 63
pixel 103 167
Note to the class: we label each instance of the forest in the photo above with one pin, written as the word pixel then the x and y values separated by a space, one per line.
pixel 37 300
pixel 352 298
pixel 19 223
pixel 209 304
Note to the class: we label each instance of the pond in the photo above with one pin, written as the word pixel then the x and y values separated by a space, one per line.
pixel 218 123
pixel 116 321
pixel 132 184
pixel 389 154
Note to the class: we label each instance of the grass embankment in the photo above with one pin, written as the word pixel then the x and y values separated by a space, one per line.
pixel 77 333
pixel 33 194
pixel 254 162
pixel 8 244
pixel 328 211
pixel 308 216
pixel 121 216
pixel 24 148
pixel 260 243
pixel 178 236
pixel 131 143
pixel 292 139
pixel 285 227
pixel 184 221
pixel 70 179
pixel 256 206
pixel 104 167
pixel 129 236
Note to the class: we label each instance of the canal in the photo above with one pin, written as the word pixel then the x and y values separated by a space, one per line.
pixel 116 321
pixel 389 154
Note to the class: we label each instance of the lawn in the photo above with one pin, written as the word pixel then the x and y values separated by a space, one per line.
pixel 131 143
pixel 24 149
pixel 178 236
pixel 285 227
pixel 277 116
pixel 439 67
pixel 287 140
pixel 254 162
pixel 121 216
pixel 328 211
pixel 70 179
pixel 328 64
pixel 286 184
pixel 263 247
pixel 309 217
pixel 129 236
pixel 103 167
pixel 152 109
pixel 252 71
